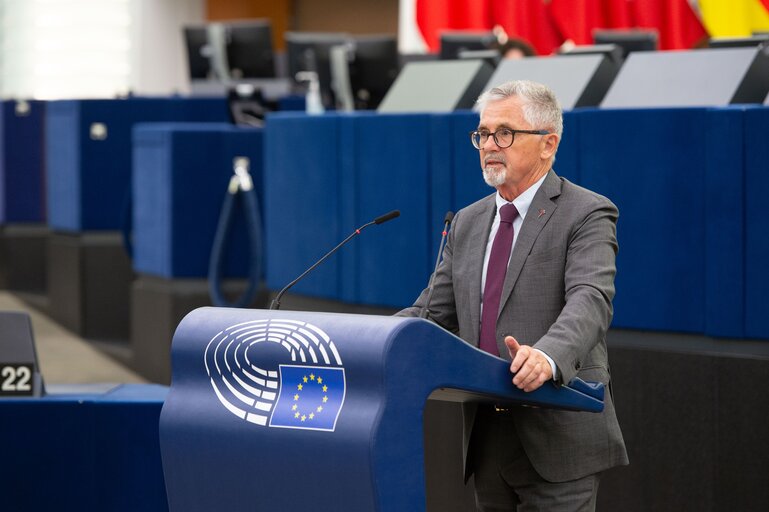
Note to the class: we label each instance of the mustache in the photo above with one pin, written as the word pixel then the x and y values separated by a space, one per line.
pixel 499 157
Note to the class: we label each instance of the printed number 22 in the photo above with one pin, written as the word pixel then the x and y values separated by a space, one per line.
pixel 15 378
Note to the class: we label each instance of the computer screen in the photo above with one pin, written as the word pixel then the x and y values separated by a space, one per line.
pixel 374 65
pixel 452 43
pixel 249 49
pixel 309 51
pixel 239 50
pixel 628 40
pixel 198 52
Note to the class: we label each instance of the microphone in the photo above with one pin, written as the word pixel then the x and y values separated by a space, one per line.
pixel 431 286
pixel 379 220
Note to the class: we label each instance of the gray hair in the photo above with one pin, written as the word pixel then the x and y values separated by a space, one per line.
pixel 541 108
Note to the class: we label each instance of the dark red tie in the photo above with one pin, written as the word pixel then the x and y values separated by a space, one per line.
pixel 495 278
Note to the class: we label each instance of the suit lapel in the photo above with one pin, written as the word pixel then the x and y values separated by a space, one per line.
pixel 479 238
pixel 540 212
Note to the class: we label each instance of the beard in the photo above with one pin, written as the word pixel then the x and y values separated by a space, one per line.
pixel 494 176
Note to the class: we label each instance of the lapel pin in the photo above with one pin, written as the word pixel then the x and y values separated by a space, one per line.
pixel 541 213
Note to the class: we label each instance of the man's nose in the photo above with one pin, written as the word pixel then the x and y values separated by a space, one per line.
pixel 490 144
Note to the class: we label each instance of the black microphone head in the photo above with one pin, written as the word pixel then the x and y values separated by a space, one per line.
pixel 449 217
pixel 387 216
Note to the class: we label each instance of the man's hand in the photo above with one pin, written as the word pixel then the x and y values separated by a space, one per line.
pixel 530 367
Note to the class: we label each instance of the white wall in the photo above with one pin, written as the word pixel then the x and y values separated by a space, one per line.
pixel 93 48
pixel 159 58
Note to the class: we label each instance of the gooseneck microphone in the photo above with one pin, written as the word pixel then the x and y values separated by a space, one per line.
pixel 379 220
pixel 431 286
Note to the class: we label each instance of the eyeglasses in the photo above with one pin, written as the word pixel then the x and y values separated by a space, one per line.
pixel 504 137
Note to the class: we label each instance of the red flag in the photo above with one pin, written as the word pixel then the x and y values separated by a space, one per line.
pixel 576 19
pixel 617 14
pixel 678 25
pixel 435 16
pixel 529 20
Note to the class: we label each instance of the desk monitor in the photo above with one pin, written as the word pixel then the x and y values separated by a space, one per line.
pixel 310 51
pixel 708 77
pixel 490 57
pixel 578 80
pixel 629 40
pixel 374 65
pixel 249 49
pixel 612 51
pixel 453 43
pixel 234 50
pixel 739 42
pixel 438 86
pixel 198 52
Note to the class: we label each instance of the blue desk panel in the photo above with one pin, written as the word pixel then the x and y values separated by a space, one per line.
pixel 302 201
pixel 652 165
pixel 467 175
pixel 756 220
pixel 83 452
pixel 180 178
pixel 567 160
pixel 724 208
pixel 389 169
pixel 22 171
pixel 89 176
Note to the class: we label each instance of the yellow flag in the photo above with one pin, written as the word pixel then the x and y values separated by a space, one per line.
pixel 734 18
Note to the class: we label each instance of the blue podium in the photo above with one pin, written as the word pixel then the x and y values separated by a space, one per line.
pixel 290 411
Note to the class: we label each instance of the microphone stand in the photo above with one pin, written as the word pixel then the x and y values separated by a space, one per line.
pixel 275 304
pixel 424 312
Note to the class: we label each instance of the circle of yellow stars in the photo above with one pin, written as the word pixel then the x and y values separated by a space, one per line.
pixel 311 379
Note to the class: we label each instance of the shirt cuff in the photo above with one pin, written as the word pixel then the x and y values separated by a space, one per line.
pixel 552 364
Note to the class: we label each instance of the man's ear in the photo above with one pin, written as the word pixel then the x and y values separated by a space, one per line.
pixel 549 145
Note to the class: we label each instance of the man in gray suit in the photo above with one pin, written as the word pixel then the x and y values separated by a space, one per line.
pixel 528 275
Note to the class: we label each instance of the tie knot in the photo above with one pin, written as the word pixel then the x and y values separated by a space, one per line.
pixel 508 213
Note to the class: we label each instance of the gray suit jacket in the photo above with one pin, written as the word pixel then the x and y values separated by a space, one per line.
pixel 557 297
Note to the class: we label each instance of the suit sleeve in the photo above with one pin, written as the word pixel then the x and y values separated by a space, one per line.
pixel 589 290
pixel 442 308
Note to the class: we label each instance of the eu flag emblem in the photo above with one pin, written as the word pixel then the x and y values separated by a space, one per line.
pixel 311 397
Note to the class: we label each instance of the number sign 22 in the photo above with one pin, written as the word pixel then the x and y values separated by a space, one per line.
pixel 15 379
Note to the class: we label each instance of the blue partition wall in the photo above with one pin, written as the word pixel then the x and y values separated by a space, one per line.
pixel 756 275
pixel 89 166
pixel 22 169
pixel 688 182
pixel 651 165
pixel 302 201
pixel 181 172
pixel 351 169
pixel 675 176
pixel 389 170
pixel 724 211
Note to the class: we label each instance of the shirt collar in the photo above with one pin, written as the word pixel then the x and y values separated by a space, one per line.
pixel 523 201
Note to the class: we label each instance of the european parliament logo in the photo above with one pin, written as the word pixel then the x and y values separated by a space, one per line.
pixel 277 373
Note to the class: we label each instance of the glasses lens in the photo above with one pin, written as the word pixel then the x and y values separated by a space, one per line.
pixel 476 137
pixel 504 138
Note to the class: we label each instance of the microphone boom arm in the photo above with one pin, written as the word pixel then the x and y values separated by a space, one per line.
pixel 275 304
